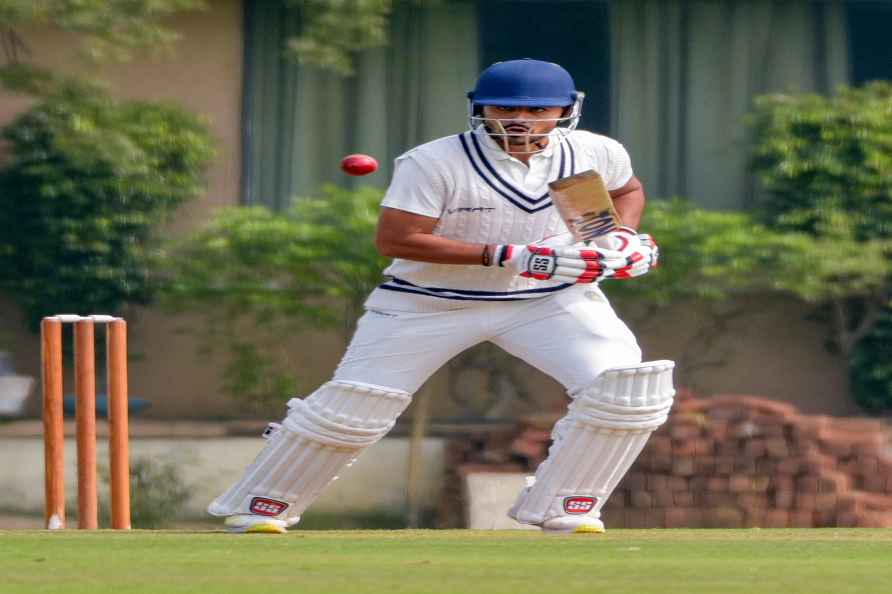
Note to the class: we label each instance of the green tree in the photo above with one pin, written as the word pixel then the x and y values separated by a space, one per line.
pixel 826 165
pixel 109 28
pixel 88 183
pixel 276 274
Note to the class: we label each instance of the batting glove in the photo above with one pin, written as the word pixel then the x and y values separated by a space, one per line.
pixel 626 253
pixel 543 262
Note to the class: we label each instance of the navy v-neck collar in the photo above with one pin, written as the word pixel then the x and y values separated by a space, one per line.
pixel 505 188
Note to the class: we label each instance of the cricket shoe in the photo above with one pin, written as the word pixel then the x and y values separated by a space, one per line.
pixel 571 525
pixel 563 524
pixel 253 524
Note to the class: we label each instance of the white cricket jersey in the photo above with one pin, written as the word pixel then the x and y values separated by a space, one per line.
pixel 481 194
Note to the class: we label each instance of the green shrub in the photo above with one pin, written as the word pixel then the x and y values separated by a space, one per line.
pixel 826 163
pixel 158 493
pixel 816 153
pixel 870 367
pixel 89 181
pixel 255 275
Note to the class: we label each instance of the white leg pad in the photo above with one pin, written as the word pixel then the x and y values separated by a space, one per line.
pixel 321 435
pixel 606 427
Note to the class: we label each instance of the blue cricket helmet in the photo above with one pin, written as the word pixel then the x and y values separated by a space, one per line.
pixel 524 83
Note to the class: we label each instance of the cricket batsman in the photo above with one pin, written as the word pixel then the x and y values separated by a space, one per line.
pixel 480 253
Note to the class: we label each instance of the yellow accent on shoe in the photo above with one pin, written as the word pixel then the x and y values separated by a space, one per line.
pixel 265 528
pixel 588 529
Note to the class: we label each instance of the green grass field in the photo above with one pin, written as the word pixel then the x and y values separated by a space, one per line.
pixel 459 561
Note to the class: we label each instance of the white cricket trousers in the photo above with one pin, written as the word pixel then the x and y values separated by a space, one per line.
pixel 572 335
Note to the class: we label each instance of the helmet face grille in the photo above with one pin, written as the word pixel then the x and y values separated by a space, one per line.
pixel 564 125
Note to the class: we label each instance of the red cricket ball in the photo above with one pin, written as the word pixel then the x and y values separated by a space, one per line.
pixel 358 164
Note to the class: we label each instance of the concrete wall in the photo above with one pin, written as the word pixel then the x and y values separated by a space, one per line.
pixel 770 350
pixel 376 482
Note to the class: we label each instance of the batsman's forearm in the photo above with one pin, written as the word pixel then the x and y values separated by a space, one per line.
pixel 630 207
pixel 425 247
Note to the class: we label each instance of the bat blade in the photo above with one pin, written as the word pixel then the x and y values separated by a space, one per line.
pixel 585 205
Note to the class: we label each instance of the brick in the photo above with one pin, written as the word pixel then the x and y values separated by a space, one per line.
pixel 689 447
pixel 739 484
pixel 729 449
pixel 752 500
pixel 717 484
pixel 660 445
pixel 683 518
pixel 724 465
pixel 661 463
pixel 806 501
pixel 678 483
pixel 656 518
pixel 755 448
pixel 802 519
pixel 683 432
pixel 807 484
pixel 696 484
pixel 825 501
pixel 683 499
pixel 723 517
pixel 760 483
pixel 634 481
pixel 754 518
pixel 825 518
pixel 833 482
pixel 767 465
pixel 875 483
pixel 704 464
pixel 635 518
pixel 683 467
pixel 641 499
pixel 664 498
pixel 782 482
pixel 618 499
pixel 657 482
pixel 789 466
pixel 784 499
pixel 836 444
pixel 745 465
pixel 777 518
pixel 718 430
pixel 614 518
pixel 644 463
pixel 868 465
pixel 777 447
pixel 711 499
pixel 847 519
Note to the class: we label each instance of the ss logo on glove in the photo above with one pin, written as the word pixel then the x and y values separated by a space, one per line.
pixel 541 265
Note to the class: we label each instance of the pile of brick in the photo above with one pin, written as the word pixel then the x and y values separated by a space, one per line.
pixel 728 461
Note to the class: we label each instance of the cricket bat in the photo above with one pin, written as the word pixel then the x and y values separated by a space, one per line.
pixel 585 205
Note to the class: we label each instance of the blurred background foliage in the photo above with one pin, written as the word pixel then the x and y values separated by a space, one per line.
pixel 88 183
pixel 92 179
pixel 276 273
pixel 826 166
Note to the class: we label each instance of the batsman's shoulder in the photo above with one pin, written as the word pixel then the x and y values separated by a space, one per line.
pixel 447 147
pixel 593 141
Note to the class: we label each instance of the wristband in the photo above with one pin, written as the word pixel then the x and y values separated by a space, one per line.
pixel 486 256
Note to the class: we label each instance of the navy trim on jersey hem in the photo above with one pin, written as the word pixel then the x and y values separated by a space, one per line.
pixel 453 297
pixel 400 281
pixel 469 294
pixel 461 138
